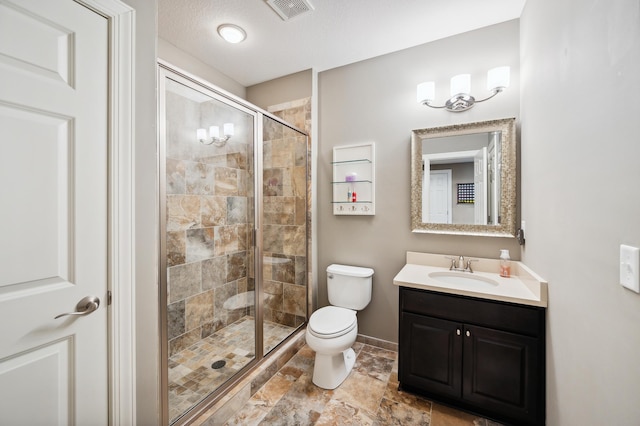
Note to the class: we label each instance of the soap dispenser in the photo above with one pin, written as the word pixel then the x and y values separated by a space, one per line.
pixel 505 263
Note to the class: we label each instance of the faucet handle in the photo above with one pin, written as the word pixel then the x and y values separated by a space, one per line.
pixel 469 264
pixel 454 263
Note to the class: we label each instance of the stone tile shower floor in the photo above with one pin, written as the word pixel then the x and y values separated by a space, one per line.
pixel 369 396
pixel 191 375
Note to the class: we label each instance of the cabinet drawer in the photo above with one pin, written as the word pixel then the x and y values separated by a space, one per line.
pixel 499 315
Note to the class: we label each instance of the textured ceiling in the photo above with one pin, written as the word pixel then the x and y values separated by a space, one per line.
pixel 336 33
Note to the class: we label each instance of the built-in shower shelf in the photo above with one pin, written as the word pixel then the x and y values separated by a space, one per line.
pixel 354 171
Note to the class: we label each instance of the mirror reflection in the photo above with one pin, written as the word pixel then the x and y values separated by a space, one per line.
pixel 463 178
pixel 462 186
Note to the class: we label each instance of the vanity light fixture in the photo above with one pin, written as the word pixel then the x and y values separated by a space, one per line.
pixel 461 99
pixel 213 137
pixel 232 33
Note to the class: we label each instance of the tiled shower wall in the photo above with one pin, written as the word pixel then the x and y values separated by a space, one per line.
pixel 285 224
pixel 209 210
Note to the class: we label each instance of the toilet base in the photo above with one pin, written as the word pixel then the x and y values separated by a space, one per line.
pixel 330 371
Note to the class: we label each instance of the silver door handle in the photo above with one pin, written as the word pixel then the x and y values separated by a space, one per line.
pixel 84 307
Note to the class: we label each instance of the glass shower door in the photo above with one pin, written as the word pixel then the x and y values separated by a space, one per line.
pixel 284 231
pixel 208 215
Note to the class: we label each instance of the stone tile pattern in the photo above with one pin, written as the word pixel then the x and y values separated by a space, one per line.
pixel 369 396
pixel 191 376
pixel 209 215
pixel 237 396
pixel 298 114
pixel 285 212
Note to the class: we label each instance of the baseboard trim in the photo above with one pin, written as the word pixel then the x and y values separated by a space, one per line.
pixel 379 343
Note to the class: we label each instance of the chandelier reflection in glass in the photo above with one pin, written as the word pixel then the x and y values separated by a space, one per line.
pixel 213 136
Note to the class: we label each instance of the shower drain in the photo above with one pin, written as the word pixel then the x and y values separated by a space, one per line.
pixel 218 364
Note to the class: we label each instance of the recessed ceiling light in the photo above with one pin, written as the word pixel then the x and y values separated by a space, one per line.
pixel 232 33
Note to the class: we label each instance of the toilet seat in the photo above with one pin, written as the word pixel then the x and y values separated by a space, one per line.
pixel 332 321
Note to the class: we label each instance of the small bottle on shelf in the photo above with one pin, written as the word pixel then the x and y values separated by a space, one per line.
pixel 353 197
pixel 505 263
pixel 349 196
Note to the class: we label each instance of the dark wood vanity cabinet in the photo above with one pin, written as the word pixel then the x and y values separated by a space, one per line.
pixel 480 355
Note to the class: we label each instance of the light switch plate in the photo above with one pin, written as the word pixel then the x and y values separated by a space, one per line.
pixel 630 267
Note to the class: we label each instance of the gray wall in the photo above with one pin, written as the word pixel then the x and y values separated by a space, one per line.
pixel 280 90
pixel 375 100
pixel 581 200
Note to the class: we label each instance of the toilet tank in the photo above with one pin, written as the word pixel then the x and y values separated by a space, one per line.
pixel 349 286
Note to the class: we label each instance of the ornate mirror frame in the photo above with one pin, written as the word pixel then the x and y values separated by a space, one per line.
pixel 507 225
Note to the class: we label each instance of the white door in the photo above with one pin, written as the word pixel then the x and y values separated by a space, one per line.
pixel 480 184
pixel 53 214
pixel 440 208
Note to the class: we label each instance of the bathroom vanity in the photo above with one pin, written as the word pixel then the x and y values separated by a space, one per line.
pixel 477 343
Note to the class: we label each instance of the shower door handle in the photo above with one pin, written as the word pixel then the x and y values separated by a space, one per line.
pixel 85 306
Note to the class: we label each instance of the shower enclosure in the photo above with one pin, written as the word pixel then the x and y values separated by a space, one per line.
pixel 233 261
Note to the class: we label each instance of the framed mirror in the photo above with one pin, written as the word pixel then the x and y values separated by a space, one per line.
pixel 463 179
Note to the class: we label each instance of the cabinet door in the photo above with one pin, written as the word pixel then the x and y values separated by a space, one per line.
pixel 430 352
pixel 501 373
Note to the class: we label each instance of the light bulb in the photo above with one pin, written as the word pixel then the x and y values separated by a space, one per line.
pixel 461 84
pixel 498 78
pixel 426 92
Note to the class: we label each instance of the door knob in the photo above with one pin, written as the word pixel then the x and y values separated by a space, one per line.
pixel 84 307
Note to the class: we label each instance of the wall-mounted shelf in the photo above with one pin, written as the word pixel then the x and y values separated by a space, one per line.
pixel 354 171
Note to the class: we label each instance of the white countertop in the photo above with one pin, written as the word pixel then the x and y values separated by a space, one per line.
pixel 523 287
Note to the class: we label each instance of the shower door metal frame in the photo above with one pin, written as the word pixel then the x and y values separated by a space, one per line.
pixel 169 71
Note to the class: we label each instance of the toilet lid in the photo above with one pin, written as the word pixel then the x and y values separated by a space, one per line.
pixel 331 320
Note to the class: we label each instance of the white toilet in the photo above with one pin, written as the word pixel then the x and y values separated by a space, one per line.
pixel 332 330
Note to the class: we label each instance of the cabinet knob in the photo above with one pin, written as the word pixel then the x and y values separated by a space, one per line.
pixel 458 331
pixel 468 333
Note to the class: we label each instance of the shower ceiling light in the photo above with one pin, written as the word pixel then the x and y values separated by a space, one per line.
pixel 461 99
pixel 232 33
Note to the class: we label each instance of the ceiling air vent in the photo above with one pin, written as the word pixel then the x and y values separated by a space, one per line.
pixel 288 9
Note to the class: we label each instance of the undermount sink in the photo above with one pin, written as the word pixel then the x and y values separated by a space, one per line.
pixel 463 278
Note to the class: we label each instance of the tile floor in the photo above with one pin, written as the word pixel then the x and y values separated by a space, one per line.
pixel 191 373
pixel 369 396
